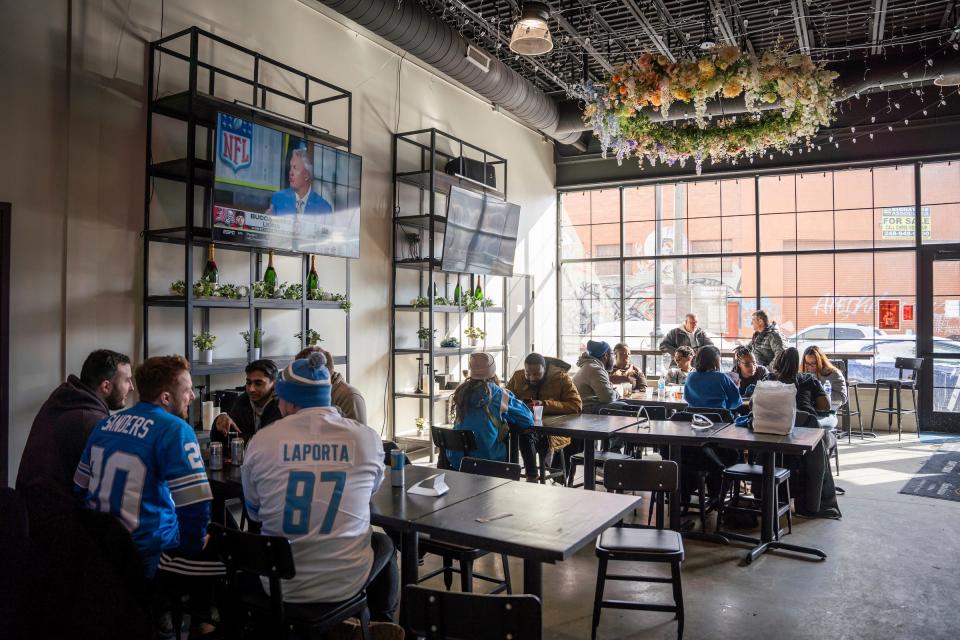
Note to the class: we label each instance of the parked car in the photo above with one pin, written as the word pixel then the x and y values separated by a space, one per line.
pixel 946 373
pixel 838 337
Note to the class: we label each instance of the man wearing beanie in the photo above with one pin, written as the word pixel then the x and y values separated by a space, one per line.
pixel 309 478
pixel 593 377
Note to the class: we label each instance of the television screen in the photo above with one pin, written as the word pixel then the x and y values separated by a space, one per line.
pixel 481 235
pixel 276 190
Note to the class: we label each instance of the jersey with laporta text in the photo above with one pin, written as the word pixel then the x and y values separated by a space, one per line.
pixel 309 478
pixel 141 465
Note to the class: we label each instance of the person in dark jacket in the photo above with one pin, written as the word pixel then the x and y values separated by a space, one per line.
pixel 747 372
pixel 59 434
pixel 767 341
pixel 688 334
pixel 255 408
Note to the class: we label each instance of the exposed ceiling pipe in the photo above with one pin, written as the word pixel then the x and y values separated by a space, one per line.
pixel 856 78
pixel 412 28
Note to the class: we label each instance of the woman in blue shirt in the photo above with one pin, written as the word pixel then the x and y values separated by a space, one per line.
pixel 707 387
pixel 481 405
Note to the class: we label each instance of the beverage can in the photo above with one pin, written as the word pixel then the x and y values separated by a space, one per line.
pixel 396 467
pixel 236 451
pixel 216 456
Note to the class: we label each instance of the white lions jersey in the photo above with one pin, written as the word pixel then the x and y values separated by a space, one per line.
pixel 309 477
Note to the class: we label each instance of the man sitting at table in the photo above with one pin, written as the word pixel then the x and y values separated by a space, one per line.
pixel 254 409
pixel 688 334
pixel 682 357
pixel 545 381
pixel 626 371
pixel 593 378
pixel 310 478
pixel 343 396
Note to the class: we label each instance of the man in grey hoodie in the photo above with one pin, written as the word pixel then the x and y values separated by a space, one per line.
pixel 593 377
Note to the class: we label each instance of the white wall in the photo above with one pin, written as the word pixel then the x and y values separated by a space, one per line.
pixel 72 122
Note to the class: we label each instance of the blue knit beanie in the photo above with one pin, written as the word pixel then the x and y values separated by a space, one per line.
pixel 306 382
pixel 597 348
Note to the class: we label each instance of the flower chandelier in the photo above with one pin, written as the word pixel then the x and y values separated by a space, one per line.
pixel 788 99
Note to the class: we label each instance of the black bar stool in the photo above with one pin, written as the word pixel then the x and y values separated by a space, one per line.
pixel 894 386
pixel 847 411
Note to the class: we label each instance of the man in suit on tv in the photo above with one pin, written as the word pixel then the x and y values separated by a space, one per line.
pixel 300 198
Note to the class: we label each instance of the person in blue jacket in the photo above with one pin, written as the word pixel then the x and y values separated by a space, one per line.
pixel 707 387
pixel 481 405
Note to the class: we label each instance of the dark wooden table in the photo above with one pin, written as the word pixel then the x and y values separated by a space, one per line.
pixel 546 523
pixel 669 404
pixel 672 436
pixel 799 441
pixel 589 428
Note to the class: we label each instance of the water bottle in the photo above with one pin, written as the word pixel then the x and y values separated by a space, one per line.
pixel 828 389
pixel 661 387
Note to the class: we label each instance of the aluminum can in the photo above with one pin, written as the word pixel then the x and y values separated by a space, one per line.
pixel 236 451
pixel 216 456
pixel 396 468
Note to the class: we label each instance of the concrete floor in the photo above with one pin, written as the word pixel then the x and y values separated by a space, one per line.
pixel 893 570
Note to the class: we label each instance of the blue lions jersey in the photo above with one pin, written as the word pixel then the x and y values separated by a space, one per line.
pixel 141 465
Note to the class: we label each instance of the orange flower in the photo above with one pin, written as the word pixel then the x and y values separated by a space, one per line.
pixel 655 99
pixel 616 79
pixel 623 90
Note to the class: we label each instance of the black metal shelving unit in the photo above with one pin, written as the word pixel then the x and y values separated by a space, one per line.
pixel 421 186
pixel 256 88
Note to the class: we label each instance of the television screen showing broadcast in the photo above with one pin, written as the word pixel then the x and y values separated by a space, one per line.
pixel 481 235
pixel 276 190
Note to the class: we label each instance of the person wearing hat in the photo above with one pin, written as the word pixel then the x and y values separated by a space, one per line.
pixel 593 377
pixel 481 405
pixel 310 478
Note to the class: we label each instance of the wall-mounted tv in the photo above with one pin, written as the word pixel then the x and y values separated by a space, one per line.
pixel 276 190
pixel 481 234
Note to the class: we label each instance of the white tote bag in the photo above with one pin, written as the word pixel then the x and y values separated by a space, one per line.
pixel 774 407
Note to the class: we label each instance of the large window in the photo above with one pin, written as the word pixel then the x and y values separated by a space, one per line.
pixel 831 256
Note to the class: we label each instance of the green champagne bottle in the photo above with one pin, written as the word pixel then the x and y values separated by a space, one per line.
pixel 457 294
pixel 270 275
pixel 210 271
pixel 478 293
pixel 313 280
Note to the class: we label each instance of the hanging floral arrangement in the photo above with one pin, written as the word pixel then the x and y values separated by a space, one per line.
pixel 788 99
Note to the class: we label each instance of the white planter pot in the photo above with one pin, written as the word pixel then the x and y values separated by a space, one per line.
pixel 474 341
pixel 206 356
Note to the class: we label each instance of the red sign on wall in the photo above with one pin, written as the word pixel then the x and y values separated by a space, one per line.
pixel 888 314
pixel 908 313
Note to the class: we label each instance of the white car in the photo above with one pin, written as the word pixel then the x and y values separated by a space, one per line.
pixel 842 337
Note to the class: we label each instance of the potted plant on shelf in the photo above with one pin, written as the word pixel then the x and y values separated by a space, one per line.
pixel 313 337
pixel 450 342
pixel 253 349
pixel 419 302
pixel 204 343
pixel 420 423
pixel 475 334
pixel 426 337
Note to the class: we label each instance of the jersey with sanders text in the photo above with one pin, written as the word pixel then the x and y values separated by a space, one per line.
pixel 309 477
pixel 140 465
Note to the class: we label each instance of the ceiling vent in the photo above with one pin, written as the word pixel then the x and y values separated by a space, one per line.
pixel 478 58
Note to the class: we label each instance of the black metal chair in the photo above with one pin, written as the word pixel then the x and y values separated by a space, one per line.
pixel 449 552
pixel 733 475
pixel 388 446
pixel 723 415
pixel 444 615
pixel 894 386
pixel 271 557
pixel 640 544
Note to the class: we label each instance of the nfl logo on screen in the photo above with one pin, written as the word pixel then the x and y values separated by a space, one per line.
pixel 236 142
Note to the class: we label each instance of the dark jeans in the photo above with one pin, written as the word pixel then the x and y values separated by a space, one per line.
pixel 383 585
pixel 531 444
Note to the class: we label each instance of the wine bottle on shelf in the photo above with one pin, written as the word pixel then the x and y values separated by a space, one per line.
pixel 457 294
pixel 210 271
pixel 313 280
pixel 270 275
pixel 478 293
pixel 434 290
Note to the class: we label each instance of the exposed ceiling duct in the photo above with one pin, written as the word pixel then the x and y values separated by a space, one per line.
pixel 412 28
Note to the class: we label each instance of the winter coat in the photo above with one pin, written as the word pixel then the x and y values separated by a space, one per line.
pixel 557 394
pixel 347 398
pixel 593 383
pixel 503 407
pixel 54 446
pixel 767 344
pixel 680 337
pixel 711 390
pixel 242 415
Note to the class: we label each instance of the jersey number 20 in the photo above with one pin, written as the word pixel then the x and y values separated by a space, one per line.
pixel 299 500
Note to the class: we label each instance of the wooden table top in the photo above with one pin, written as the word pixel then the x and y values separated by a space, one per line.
pixel 799 440
pixel 546 523
pixel 669 432
pixel 584 425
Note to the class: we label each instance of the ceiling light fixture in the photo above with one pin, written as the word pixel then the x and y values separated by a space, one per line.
pixel 709 42
pixel 531 35
pixel 947 80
